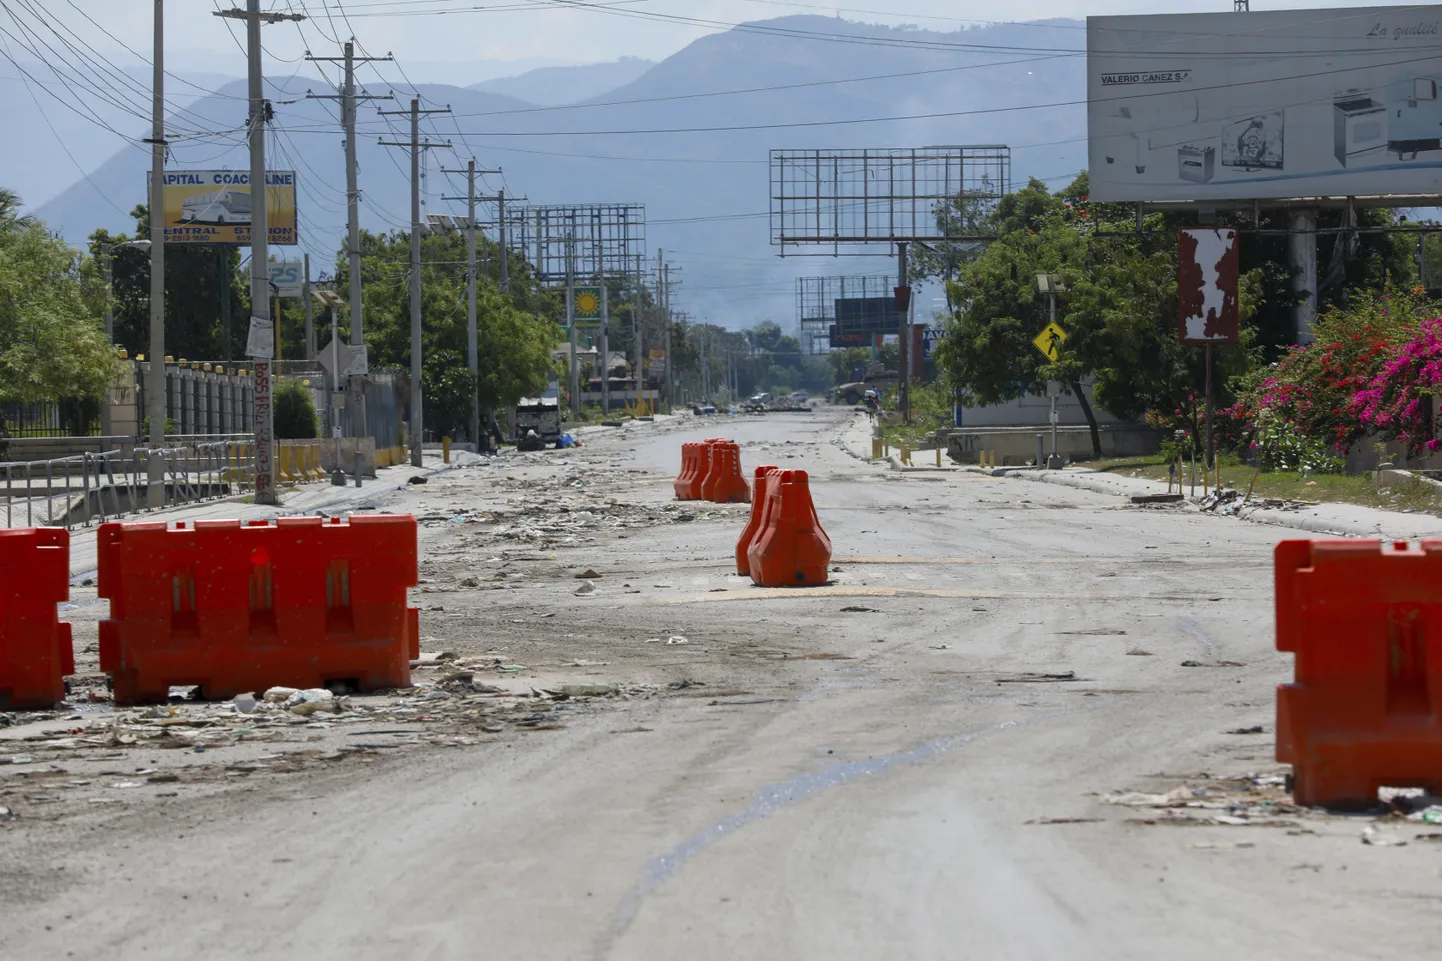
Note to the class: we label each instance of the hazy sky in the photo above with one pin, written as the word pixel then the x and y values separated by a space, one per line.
pixel 526 30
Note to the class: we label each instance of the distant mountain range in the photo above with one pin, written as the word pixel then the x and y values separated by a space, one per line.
pixel 794 82
pixel 554 86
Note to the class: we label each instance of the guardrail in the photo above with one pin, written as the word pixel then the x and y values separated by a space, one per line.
pixel 73 491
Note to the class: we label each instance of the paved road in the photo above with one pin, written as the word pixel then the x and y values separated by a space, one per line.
pixel 907 764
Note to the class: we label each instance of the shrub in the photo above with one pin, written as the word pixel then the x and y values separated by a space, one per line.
pixel 1313 389
pixel 1397 402
pixel 295 417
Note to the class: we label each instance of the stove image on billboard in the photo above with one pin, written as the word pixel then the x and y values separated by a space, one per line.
pixel 1254 143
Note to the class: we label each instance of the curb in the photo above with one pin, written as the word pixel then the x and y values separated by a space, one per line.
pixel 1292 520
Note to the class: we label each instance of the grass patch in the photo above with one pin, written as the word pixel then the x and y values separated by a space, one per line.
pixel 1414 495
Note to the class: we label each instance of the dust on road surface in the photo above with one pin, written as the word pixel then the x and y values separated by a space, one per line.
pixel 1021 722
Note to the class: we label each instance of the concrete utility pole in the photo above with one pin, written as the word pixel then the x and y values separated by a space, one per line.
pixel 155 395
pixel 903 382
pixel 571 322
pixel 415 434
pixel 638 334
pixel 309 319
pixel 501 234
pixel 605 349
pixel 355 386
pixel 472 336
pixel 261 342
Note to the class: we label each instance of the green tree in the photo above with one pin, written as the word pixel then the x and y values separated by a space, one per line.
pixel 194 278
pixel 51 342
pixel 515 331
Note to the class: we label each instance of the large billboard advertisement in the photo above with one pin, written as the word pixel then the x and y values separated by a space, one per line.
pixel 1266 105
pixel 213 207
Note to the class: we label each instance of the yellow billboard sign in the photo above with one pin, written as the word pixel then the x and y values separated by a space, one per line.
pixel 213 207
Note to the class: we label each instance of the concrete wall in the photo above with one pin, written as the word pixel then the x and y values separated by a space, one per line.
pixel 1030 410
pixel 1017 446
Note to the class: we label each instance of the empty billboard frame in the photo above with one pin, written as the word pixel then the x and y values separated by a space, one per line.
pixel 1275 105
pixel 856 197
pixel 601 239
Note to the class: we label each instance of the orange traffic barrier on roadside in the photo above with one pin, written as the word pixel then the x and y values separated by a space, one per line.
pixel 790 549
pixel 690 457
pixel 725 484
pixel 35 649
pixel 753 526
pixel 1364 709
pixel 234 607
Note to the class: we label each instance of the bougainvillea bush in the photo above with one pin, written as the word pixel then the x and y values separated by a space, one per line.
pixel 1396 403
pixel 1309 406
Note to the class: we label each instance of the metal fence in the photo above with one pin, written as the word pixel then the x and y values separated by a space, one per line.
pixel 50 418
pixel 74 491
pixel 387 394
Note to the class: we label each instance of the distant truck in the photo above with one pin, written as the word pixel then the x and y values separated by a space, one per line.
pixel 541 415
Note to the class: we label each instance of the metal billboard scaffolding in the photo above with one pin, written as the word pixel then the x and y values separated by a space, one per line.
pixel 844 198
pixel 589 242
pixel 848 197
pixel 816 304
pixel 601 238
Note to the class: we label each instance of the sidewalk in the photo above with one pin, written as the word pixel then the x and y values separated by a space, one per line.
pixel 318 497
pixel 1346 520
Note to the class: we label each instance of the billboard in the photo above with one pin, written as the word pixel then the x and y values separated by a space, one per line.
pixel 868 315
pixel 1208 267
pixel 1266 105
pixel 213 207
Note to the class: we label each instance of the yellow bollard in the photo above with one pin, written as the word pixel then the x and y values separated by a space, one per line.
pixel 938 457
pixel 876 448
pixel 446 449
pixel 905 454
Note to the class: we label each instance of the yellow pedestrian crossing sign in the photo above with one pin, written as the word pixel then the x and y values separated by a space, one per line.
pixel 1049 341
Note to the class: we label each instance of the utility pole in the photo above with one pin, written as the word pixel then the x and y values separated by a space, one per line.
pixel 261 342
pixel 501 234
pixel 355 386
pixel 309 320
pixel 571 320
pixel 416 431
pixel 472 337
pixel 155 390
pixel 605 349
pixel 638 334
pixel 903 383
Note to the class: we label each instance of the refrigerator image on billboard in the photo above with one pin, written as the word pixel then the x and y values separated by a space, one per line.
pixel 1271 105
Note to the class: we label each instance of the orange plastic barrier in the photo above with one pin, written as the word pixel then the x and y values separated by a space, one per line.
pixel 35 650
pixel 724 484
pixel 753 526
pixel 702 465
pixel 690 466
pixel 790 549
pixel 1363 709
pixel 232 607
